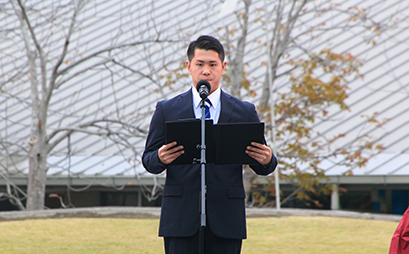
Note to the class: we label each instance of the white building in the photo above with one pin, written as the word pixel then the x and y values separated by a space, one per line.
pixel 95 170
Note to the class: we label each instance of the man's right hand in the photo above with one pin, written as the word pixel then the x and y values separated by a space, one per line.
pixel 169 152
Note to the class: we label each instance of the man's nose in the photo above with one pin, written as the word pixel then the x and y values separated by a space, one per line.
pixel 206 70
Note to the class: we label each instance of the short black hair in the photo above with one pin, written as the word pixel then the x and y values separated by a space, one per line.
pixel 205 42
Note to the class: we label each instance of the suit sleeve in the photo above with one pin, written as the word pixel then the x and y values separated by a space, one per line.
pixel 156 139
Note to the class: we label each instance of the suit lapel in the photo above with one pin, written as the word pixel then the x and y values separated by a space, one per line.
pixel 185 105
pixel 227 106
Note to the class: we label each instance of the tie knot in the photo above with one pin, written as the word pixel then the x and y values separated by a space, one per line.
pixel 208 103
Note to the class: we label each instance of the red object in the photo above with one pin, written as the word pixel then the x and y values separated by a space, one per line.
pixel 400 239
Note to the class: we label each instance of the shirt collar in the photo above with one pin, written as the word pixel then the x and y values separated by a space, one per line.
pixel 213 97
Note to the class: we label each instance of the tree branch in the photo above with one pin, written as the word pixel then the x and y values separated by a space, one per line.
pixel 30 28
pixel 43 62
pixel 60 83
pixel 54 74
pixel 109 49
pixel 68 131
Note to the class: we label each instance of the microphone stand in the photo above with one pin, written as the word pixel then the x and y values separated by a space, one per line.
pixel 203 183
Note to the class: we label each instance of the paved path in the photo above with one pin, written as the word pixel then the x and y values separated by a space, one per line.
pixel 154 213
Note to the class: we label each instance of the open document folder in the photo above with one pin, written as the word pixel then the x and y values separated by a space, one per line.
pixel 225 142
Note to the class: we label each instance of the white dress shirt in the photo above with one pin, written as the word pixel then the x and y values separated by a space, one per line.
pixel 214 109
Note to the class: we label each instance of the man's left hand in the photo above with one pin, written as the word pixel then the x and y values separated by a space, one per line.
pixel 260 153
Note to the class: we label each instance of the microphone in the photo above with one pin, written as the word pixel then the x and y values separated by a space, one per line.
pixel 203 88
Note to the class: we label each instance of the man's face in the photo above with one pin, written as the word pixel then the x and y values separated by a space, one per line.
pixel 206 65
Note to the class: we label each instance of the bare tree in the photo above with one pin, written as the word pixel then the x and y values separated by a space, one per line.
pixel 317 79
pixel 54 59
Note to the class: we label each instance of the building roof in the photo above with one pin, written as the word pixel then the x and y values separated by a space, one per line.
pixel 112 92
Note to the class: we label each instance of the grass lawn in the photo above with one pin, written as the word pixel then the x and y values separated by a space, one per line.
pixel 265 235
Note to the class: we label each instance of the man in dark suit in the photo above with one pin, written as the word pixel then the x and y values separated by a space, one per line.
pixel 225 196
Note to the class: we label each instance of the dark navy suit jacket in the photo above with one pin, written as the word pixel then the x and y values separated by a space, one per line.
pixel 180 216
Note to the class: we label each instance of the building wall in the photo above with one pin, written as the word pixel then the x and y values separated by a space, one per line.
pixel 375 198
pixel 58 197
pixel 371 198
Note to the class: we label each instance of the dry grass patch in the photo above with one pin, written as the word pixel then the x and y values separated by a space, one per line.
pixel 317 235
pixel 265 235
pixel 80 236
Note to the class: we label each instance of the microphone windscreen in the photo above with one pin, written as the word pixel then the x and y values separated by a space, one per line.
pixel 203 88
pixel 203 83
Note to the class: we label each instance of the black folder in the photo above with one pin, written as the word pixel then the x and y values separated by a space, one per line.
pixel 225 143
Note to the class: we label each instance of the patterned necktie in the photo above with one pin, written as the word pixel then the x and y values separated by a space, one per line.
pixel 208 104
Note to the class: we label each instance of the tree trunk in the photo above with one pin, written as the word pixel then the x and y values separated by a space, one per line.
pixel 236 77
pixel 37 163
pixel 36 180
pixel 265 92
pixel 248 177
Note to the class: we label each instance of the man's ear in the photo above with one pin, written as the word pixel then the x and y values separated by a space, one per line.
pixel 188 67
pixel 223 67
